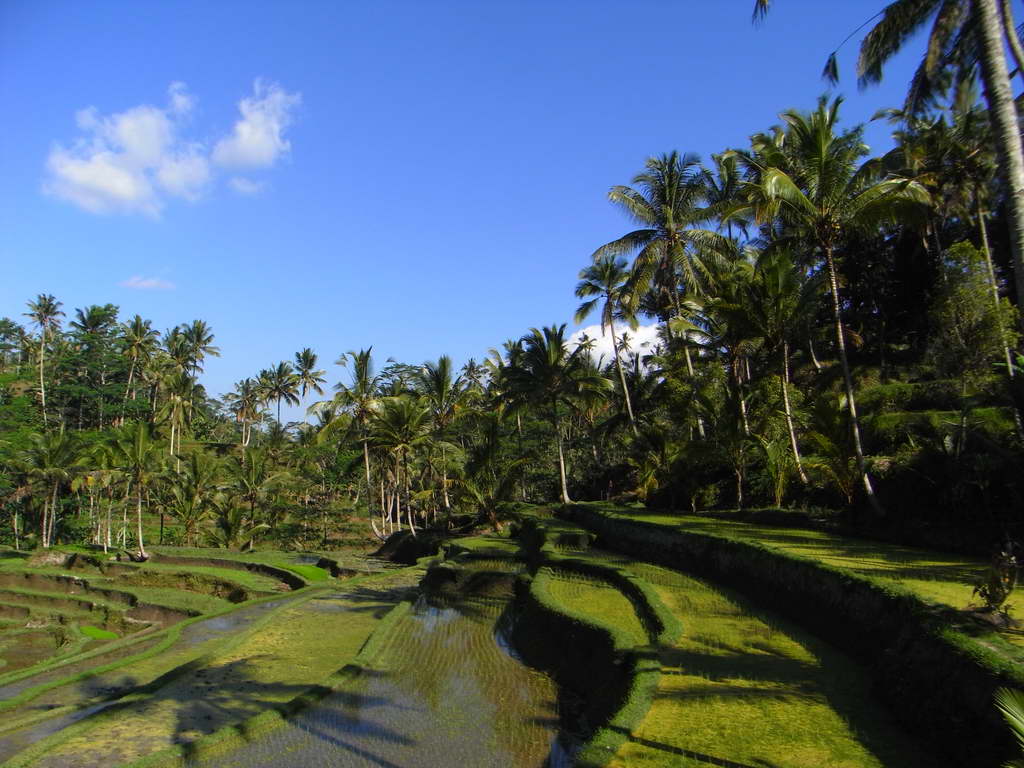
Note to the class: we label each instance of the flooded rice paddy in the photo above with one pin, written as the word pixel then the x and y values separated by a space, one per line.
pixel 446 691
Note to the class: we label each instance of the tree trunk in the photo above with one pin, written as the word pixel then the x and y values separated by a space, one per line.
pixel 814 358
pixel 138 518
pixel 127 389
pixel 444 483
pixel 53 514
pixel 1010 28
pixel 42 384
pixel 994 285
pixel 561 454
pixel 851 404
pixel 689 369
pixel 1003 114
pixel 789 413
pixel 622 380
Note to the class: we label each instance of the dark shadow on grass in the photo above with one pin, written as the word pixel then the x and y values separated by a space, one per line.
pixel 698 756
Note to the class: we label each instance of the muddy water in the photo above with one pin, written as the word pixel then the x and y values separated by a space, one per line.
pixel 448 693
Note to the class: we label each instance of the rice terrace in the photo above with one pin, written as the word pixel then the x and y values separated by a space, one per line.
pixel 760 504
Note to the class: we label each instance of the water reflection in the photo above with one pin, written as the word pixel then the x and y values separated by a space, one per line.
pixel 447 693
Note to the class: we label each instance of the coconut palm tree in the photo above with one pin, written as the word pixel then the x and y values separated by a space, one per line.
pixel 359 399
pixel 606 279
pixel 136 454
pixel 45 312
pixel 179 390
pixel 245 403
pixel 192 492
pixel 443 393
pixel 777 302
pixel 399 426
pixel 965 35
pixel 309 378
pixel 198 337
pixel 50 461
pixel 668 203
pixel 139 341
pixel 251 479
pixel 280 383
pixel 549 376
pixel 818 194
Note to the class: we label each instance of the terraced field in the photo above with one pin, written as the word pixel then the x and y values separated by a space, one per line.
pixel 107 661
pixel 541 649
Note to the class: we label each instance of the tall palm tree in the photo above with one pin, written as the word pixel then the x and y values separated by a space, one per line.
pixel 139 341
pixel 192 492
pixel 179 389
pixel 551 377
pixel 245 403
pixel 309 378
pixel 443 393
pixel 606 279
pixel 777 303
pixel 44 312
pixel 668 203
pixel 966 35
pixel 399 426
pixel 359 399
pixel 198 338
pixel 137 456
pixel 280 383
pixel 820 196
pixel 49 461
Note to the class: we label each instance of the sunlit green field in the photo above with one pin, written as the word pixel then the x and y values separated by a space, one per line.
pixel 938 577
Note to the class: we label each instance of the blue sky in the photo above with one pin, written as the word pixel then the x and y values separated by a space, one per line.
pixel 425 177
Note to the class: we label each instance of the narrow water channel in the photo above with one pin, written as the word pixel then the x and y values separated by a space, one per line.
pixel 448 693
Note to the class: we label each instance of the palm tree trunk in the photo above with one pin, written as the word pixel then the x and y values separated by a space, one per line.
pixel 994 285
pixel 138 518
pixel 561 453
pixel 622 380
pixel 127 389
pixel 1010 368
pixel 42 384
pixel 851 404
pixel 1010 28
pixel 444 482
pixel 789 413
pixel 1003 114
pixel 689 369
pixel 814 358
pixel 53 514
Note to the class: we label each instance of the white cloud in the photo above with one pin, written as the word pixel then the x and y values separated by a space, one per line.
pixel 134 161
pixel 181 100
pixel 257 140
pixel 140 283
pixel 127 162
pixel 247 187
pixel 641 341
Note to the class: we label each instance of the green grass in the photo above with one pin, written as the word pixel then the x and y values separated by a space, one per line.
pixel 273 662
pixel 744 686
pixel 940 578
pixel 597 600
pixel 176 598
pixel 310 573
pixel 96 633
pixel 252 581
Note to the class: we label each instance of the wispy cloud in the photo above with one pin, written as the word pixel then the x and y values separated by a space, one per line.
pixel 257 140
pixel 140 283
pixel 247 187
pixel 134 161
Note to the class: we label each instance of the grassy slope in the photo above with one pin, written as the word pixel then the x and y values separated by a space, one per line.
pixel 298 647
pixel 744 686
pixel 938 577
